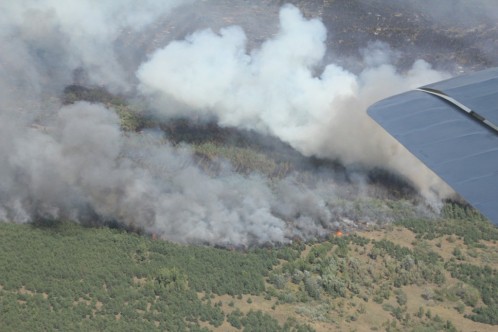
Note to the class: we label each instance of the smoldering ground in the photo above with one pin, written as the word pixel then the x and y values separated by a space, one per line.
pixel 74 161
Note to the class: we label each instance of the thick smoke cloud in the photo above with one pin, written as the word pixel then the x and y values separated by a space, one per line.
pixel 275 90
pixel 85 167
pixel 132 179
pixel 74 162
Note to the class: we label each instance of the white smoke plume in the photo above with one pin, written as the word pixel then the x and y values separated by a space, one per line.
pixel 79 165
pixel 275 90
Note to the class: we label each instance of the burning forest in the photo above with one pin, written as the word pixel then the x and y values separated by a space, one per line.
pixel 239 127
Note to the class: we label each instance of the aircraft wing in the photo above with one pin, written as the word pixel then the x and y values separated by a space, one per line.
pixel 452 127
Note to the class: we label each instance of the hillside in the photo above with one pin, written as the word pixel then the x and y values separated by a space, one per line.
pixel 173 165
pixel 416 275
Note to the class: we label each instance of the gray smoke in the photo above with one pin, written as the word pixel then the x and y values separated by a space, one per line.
pixel 74 162
pixel 43 41
pixel 84 163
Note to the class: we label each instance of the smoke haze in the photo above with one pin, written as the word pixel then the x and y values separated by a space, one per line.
pixel 74 162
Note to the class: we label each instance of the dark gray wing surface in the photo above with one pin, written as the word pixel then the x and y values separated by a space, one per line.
pixel 453 133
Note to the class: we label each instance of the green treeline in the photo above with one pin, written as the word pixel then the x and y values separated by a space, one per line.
pixel 461 221
pixel 484 279
pixel 63 276
pixel 71 278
